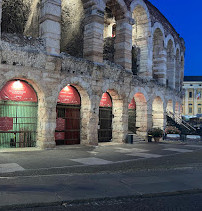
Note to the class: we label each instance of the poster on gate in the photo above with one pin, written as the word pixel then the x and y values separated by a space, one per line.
pixel 60 124
pixel 59 136
pixel 6 123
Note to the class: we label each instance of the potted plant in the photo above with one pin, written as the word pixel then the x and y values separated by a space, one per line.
pixel 172 130
pixel 156 133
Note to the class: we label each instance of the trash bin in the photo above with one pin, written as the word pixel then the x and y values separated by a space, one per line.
pixel 149 138
pixel 130 139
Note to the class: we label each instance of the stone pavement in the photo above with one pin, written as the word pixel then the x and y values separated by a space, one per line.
pixel 30 159
pixel 78 172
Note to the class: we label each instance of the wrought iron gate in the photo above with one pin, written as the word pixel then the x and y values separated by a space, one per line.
pixel 69 133
pixel 105 124
pixel 18 124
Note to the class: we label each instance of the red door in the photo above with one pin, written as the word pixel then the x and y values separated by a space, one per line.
pixel 69 133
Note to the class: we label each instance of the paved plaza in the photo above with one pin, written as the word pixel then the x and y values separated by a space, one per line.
pixel 71 174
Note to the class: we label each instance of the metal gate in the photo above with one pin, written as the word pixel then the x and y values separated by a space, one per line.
pixel 132 120
pixel 18 124
pixel 68 131
pixel 105 124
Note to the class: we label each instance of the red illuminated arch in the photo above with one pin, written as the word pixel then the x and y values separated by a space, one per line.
pixel 106 100
pixel 69 95
pixel 18 91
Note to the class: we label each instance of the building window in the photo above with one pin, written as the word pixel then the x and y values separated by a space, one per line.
pixel 199 110
pixel 190 110
pixel 191 84
pixel 190 94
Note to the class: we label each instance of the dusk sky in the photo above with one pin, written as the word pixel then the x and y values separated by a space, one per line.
pixel 186 17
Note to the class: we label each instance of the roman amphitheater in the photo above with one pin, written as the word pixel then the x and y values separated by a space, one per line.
pixel 86 71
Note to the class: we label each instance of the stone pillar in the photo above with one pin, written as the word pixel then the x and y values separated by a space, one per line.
pixel 93 36
pixel 89 122
pixel 50 28
pixel 149 115
pixel 123 43
pixel 46 125
pixel 159 67
pixel 120 120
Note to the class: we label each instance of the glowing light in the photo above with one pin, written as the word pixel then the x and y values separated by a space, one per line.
pixel 66 88
pixel 17 85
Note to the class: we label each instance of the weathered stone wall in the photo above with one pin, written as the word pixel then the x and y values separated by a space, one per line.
pixel 72 24
pixel 40 62
pixel 21 17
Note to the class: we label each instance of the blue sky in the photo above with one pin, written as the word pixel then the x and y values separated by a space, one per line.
pixel 186 17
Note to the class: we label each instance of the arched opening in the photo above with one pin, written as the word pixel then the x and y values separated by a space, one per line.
pixel 67 130
pixel 112 13
pixel 159 64
pixel 18 115
pixel 72 27
pixel 21 17
pixel 157 113
pixel 105 119
pixel 132 117
pixel 177 109
pixel 140 33
pixel 177 70
pixel 170 81
pixel 169 108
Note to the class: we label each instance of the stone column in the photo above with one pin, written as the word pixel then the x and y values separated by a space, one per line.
pixel 89 122
pixel 123 43
pixel 50 28
pixel 46 125
pixel 120 120
pixel 93 36
pixel 149 115
pixel 159 67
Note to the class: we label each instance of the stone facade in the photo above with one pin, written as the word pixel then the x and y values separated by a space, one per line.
pixel 192 100
pixel 40 62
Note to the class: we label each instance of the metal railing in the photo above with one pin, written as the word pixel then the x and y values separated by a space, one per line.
pixel 178 119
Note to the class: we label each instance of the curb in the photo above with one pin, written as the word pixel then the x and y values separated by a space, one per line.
pixel 91 200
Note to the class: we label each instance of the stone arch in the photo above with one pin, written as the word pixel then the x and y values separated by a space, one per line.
pixel 170 81
pixel 158 113
pixel 87 109
pixel 141 30
pixel 169 107
pixel 115 11
pixel 167 39
pixel 119 5
pixel 120 116
pixel 177 109
pixel 177 69
pixel 45 118
pixel 159 57
pixel 159 26
pixel 21 17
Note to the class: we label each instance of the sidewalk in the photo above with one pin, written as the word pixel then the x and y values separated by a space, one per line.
pixel 56 176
